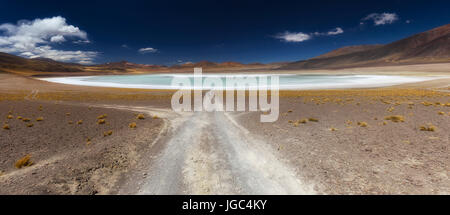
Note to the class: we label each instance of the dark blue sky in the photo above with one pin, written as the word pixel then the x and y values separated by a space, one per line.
pixel 244 31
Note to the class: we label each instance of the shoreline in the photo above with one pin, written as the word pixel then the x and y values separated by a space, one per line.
pixel 369 83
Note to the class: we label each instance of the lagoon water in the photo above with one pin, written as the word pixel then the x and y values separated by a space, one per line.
pixel 286 81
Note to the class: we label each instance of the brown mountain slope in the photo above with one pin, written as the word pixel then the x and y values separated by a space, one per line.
pixel 347 50
pixel 427 47
pixel 12 63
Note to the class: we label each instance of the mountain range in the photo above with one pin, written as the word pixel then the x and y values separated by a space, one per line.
pixel 432 46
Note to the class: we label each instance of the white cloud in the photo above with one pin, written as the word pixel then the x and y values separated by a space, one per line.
pixel 382 18
pixel 335 31
pixel 33 39
pixel 293 37
pixel 147 50
pixel 300 37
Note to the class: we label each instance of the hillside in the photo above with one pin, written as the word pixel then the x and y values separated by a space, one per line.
pixel 432 46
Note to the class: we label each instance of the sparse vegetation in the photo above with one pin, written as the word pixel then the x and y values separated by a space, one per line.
pixel 140 116
pixel 19 117
pixel 24 162
pixel 101 121
pixel 29 125
pixel 103 116
pixel 132 125
pixel 26 119
pixel 155 117
pixel 10 116
pixel 6 127
pixel 395 118
pixel 428 127
pixel 107 133
pixel 441 113
pixel 40 119
pixel 79 122
pixel 313 119
pixel 363 124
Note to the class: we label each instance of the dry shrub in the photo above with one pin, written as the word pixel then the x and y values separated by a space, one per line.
pixel 29 125
pixel 19 117
pixel 9 116
pixel 333 129
pixel 140 116
pixel 24 162
pixel 132 125
pixel 441 113
pixel 363 124
pixel 313 119
pixel 6 127
pixel 25 119
pixel 289 111
pixel 427 103
pixel 290 121
pixel 107 133
pixel 155 117
pixel 102 116
pixel 395 118
pixel 390 109
pixel 429 127
pixel 303 121
pixel 67 114
pixel 40 119
pixel 80 122
pixel 384 123
pixel 101 121
pixel 70 122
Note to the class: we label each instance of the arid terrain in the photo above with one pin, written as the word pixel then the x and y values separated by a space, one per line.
pixel 353 148
pixel 67 139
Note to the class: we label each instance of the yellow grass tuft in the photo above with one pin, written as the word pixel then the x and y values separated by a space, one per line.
pixel 441 113
pixel 10 116
pixel 70 122
pixel 395 118
pixel 140 116
pixel 67 114
pixel 40 119
pixel 390 109
pixel 102 116
pixel 384 123
pixel 363 124
pixel 6 127
pixel 427 103
pixel 19 117
pixel 155 117
pixel 79 122
pixel 132 125
pixel 107 133
pixel 290 121
pixel 303 121
pixel 429 127
pixel 25 119
pixel 24 162
pixel 101 121
pixel 333 129
pixel 313 119
pixel 29 125
pixel 289 111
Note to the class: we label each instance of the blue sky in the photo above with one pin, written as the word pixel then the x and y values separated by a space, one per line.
pixel 170 32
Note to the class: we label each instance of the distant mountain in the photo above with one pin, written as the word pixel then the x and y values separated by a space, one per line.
pixel 125 66
pixel 432 46
pixel 14 63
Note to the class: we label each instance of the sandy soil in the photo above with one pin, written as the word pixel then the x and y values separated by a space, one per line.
pixel 223 153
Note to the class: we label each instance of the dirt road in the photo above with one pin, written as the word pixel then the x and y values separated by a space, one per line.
pixel 210 153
